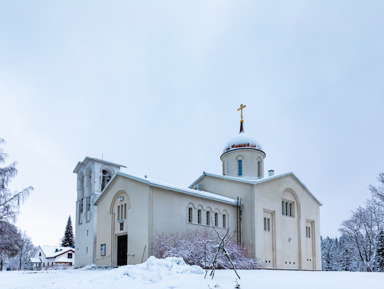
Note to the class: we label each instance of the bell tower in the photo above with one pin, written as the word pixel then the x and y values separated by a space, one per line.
pixel 93 175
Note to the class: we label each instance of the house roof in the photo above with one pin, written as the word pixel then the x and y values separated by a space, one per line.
pixel 158 184
pixel 252 181
pixel 54 251
pixel 87 159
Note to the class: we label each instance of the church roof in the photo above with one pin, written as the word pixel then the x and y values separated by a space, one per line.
pixel 255 182
pixel 87 159
pixel 242 140
pixel 158 184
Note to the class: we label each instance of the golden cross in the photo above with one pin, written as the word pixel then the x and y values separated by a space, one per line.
pixel 241 109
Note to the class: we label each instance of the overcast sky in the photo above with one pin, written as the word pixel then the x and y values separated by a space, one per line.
pixel 155 85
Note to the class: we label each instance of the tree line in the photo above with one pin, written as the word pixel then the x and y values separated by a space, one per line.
pixel 361 244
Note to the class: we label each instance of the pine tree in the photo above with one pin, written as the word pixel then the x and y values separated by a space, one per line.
pixel 68 239
pixel 379 258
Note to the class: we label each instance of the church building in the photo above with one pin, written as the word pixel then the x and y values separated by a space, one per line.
pixel 117 214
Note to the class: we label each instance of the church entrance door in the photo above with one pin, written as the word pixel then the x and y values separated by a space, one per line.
pixel 122 250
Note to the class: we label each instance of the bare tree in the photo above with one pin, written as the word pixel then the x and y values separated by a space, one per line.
pixel 362 230
pixel 378 192
pixel 26 250
pixel 221 250
pixel 9 201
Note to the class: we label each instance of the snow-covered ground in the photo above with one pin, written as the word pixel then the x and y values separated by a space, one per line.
pixel 172 273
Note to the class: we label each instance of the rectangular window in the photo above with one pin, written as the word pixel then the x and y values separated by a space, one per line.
pixel 240 164
pixel 102 249
pixel 216 219
pixel 199 216
pixel 81 206
pixel 224 220
pixel 189 215
pixel 125 211
pixel 288 208
pixel 267 224
pixel 88 203
pixel 69 255
pixel 118 213
pixel 208 220
pixel 121 226
pixel 308 232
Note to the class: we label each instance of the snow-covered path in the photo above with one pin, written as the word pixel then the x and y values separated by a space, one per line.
pixel 173 276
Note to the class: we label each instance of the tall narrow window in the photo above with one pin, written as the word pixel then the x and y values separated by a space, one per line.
pixel 125 211
pixel 259 169
pixel 88 203
pixel 189 215
pixel 199 216
pixel 208 219
pixel 240 167
pixel 286 209
pixel 216 219
pixel 224 220
pixel 308 232
pixel 105 178
pixel 267 224
pixel 81 206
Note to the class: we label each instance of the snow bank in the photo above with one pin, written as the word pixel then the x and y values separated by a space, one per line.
pixel 154 270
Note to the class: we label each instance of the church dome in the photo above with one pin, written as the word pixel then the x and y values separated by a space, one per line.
pixel 242 140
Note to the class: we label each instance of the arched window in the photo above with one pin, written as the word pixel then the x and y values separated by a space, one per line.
pixel 80 186
pixel 106 176
pixel 88 182
pixel 208 218
pixel 240 167
pixel 190 215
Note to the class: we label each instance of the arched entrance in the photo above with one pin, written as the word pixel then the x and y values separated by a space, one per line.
pixel 119 225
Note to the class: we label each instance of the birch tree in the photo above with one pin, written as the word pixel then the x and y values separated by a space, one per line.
pixel 9 200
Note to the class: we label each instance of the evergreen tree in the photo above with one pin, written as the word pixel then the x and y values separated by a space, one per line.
pixel 347 255
pixel 68 239
pixel 379 258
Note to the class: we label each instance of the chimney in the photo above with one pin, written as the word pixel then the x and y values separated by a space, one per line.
pixel 271 173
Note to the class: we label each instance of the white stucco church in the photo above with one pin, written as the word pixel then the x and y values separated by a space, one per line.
pixel 277 216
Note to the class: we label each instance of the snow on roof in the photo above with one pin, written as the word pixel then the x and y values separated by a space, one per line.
pixel 35 260
pixel 86 159
pixel 255 182
pixel 241 140
pixel 188 191
pixel 53 251
pixel 203 194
